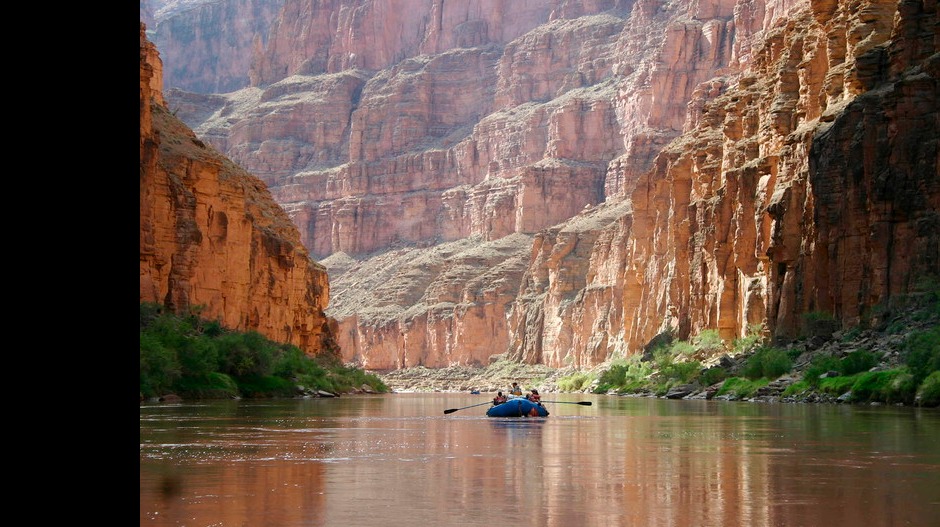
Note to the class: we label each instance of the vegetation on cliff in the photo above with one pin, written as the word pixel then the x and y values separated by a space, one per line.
pixel 194 358
pixel 894 361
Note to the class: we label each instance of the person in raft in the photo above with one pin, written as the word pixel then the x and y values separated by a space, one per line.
pixel 499 399
pixel 515 390
pixel 534 397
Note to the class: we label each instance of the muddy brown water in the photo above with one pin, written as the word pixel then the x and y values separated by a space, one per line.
pixel 398 460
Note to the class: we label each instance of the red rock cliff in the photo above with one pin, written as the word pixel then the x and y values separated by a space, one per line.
pixel 211 235
pixel 562 181
pixel 809 185
pixel 807 182
pixel 208 45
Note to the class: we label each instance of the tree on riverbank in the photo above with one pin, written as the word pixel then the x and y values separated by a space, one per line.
pixel 193 358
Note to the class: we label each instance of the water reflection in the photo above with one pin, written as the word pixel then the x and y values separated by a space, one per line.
pixel 398 460
pixel 517 426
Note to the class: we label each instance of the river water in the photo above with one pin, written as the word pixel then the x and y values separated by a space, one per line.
pixel 398 460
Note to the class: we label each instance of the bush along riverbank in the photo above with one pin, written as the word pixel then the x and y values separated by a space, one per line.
pixel 896 361
pixel 858 368
pixel 187 357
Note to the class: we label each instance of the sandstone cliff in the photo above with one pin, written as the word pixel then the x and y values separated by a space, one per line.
pixel 562 181
pixel 806 183
pixel 212 237
pixel 810 185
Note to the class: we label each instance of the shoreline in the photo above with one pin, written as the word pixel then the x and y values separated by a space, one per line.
pixel 889 345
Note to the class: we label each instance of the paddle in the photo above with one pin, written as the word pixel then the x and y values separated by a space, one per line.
pixel 582 403
pixel 452 410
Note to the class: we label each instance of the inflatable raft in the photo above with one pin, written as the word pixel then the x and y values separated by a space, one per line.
pixel 517 407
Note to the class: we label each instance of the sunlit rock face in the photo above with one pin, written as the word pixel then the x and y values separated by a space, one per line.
pixel 213 239
pixel 670 166
pixel 793 192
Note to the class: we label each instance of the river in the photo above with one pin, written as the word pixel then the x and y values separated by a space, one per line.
pixel 398 460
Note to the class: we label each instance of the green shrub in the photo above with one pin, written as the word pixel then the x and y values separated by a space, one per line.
pixel 868 387
pixel 857 362
pixel 680 372
pixel 348 378
pixel 257 386
pixel 767 362
pixel 753 368
pixel 681 348
pixel 819 365
pixel 741 388
pixel 796 388
pixel 625 375
pixel 922 353
pixel 853 363
pixel 896 327
pixel 212 328
pixel 159 367
pixel 708 340
pixel 713 375
pixel 660 389
pixel 317 381
pixel 902 388
pixel 575 382
pixel 836 386
pixel 198 358
pixel 148 313
pixel 776 363
pixel 889 386
pixel 210 386
pixel 613 377
pixel 928 394
pixel 246 354
pixel 289 361
pixel 663 357
pixel 747 343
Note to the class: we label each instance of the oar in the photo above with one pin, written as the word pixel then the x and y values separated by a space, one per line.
pixel 582 403
pixel 452 410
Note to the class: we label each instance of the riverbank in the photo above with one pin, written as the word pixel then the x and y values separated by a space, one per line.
pixel 889 347
pixel 498 376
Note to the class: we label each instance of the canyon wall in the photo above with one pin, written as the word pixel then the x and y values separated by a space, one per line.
pixel 208 45
pixel 806 185
pixel 213 239
pixel 810 186
pixel 559 182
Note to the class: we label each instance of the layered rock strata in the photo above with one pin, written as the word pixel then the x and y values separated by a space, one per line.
pixel 510 135
pixel 677 167
pixel 213 239
pixel 810 186
pixel 807 185
pixel 209 45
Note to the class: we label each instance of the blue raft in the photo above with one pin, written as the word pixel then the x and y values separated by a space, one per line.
pixel 517 407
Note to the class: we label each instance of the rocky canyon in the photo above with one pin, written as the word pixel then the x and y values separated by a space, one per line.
pixel 212 239
pixel 557 182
